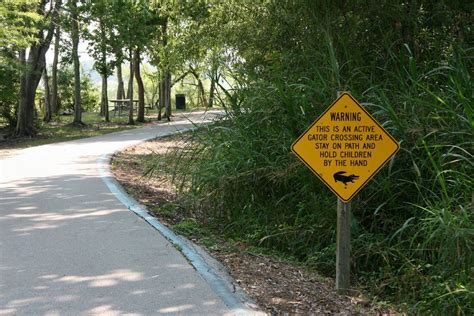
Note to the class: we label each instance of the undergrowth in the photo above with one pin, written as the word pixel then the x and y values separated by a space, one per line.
pixel 412 230
pixel 413 225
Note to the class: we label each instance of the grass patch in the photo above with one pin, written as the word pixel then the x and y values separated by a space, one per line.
pixel 61 129
pixel 166 210
pixel 188 227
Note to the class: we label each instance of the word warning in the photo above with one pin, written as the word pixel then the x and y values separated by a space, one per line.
pixel 345 147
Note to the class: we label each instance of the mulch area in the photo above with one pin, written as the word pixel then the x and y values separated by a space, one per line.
pixel 280 288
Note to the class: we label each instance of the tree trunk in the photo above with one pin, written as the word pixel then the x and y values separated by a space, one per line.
pixel 161 103
pixel 165 96
pixel 168 95
pixel 29 83
pixel 47 97
pixel 75 58
pixel 210 103
pixel 130 78
pixel 130 92
pixel 165 90
pixel 120 87
pixel 201 92
pixel 54 75
pixel 30 79
pixel 141 89
pixel 214 78
pixel 104 102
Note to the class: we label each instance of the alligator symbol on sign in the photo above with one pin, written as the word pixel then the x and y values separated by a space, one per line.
pixel 339 176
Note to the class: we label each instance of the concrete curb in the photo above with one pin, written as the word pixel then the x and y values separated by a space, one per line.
pixel 209 268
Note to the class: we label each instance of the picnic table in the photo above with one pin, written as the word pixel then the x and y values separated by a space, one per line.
pixel 121 104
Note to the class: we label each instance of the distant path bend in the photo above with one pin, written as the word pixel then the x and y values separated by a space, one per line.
pixel 68 246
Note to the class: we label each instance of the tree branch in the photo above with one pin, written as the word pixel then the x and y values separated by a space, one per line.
pixel 179 78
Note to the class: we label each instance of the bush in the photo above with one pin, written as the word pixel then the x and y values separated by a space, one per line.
pixel 89 93
pixel 9 89
pixel 413 225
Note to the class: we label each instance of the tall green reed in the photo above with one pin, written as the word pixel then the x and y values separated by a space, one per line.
pixel 413 224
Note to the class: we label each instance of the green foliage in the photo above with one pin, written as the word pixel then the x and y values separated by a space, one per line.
pixel 9 88
pixel 101 38
pixel 410 61
pixel 18 22
pixel 151 84
pixel 89 94
pixel 166 210
pixel 188 227
pixel 18 25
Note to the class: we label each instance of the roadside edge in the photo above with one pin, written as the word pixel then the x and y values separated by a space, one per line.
pixel 213 272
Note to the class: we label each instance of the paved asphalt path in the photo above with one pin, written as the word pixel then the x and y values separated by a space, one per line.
pixel 68 246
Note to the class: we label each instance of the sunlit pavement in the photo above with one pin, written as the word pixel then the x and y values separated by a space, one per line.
pixel 68 246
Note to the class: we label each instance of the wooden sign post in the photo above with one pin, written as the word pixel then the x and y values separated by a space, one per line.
pixel 343 247
pixel 345 147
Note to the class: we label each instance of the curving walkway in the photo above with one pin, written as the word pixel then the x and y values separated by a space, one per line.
pixel 68 246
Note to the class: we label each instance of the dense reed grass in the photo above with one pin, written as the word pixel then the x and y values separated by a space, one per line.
pixel 413 224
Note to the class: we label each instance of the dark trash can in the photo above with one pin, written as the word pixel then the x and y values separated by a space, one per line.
pixel 180 102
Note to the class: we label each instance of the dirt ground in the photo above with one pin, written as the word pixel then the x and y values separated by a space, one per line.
pixel 280 288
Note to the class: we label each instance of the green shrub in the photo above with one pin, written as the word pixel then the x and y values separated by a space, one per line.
pixel 9 90
pixel 413 224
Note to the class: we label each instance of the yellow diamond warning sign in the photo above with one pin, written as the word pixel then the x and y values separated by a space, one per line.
pixel 345 147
